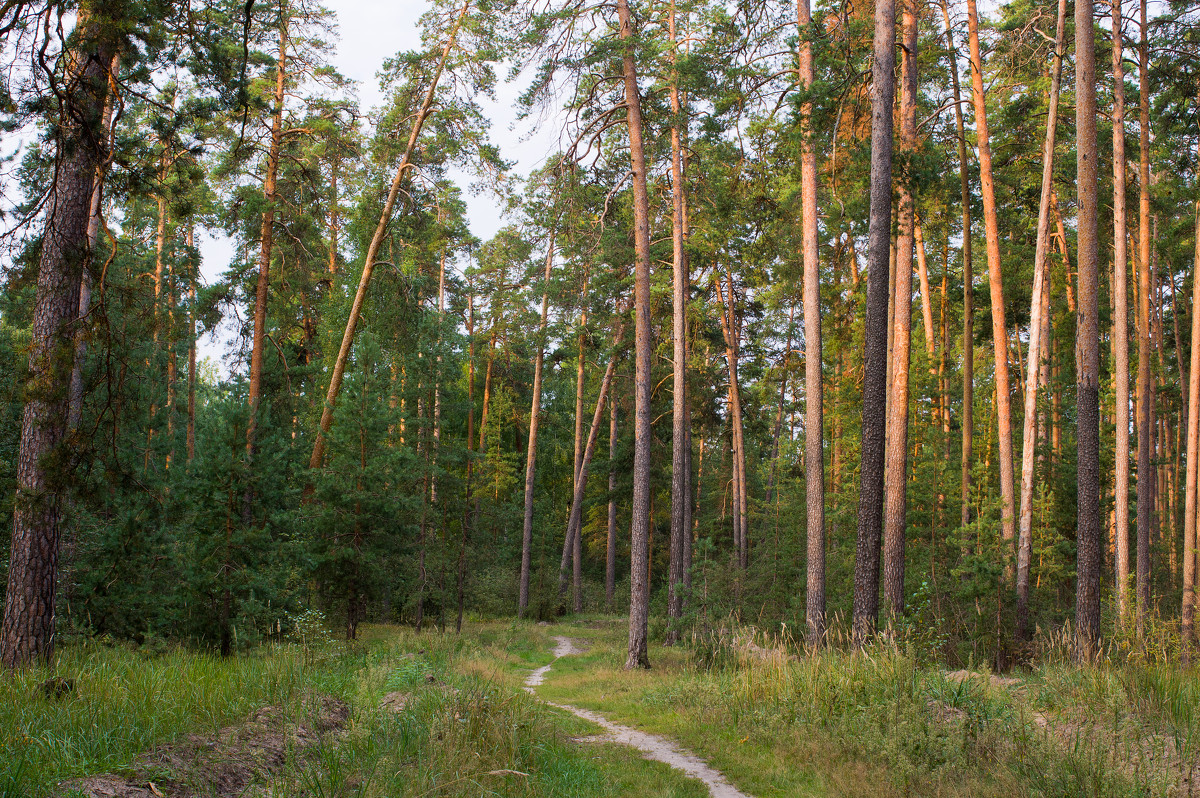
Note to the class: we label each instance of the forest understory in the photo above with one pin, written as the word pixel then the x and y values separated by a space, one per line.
pixel 404 714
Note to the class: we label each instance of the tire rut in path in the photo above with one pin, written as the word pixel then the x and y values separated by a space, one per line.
pixel 652 746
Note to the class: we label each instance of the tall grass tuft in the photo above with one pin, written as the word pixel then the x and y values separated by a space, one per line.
pixel 122 702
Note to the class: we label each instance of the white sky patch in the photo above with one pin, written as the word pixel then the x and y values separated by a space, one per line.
pixel 371 31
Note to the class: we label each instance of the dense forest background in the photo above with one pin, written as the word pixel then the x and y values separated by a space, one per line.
pixel 451 430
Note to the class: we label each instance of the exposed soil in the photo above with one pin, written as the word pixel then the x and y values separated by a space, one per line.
pixel 659 749
pixel 221 765
pixel 990 678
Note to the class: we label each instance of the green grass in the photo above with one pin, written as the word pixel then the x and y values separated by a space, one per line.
pixel 124 702
pixel 780 722
pixel 471 731
pixel 776 720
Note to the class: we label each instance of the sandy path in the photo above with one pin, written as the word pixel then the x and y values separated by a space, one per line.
pixel 652 746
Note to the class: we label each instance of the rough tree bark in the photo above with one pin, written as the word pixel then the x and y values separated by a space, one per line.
pixel 1146 477
pixel 1089 526
pixel 896 479
pixel 814 430
pixel 29 608
pixel 639 604
pixel 870 498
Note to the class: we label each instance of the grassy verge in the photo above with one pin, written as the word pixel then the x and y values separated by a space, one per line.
pixel 458 723
pixel 442 715
pixel 780 723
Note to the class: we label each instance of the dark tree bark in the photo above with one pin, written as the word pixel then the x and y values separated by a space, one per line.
pixel 42 473
pixel 1090 529
pixel 870 497
pixel 191 389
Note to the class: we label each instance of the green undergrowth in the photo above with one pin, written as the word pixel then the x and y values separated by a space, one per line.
pixel 784 722
pixel 431 714
pixel 445 715
pixel 116 702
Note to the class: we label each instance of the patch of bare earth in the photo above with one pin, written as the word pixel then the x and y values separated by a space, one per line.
pixel 225 764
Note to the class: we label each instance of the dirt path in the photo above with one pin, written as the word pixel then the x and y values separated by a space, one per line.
pixel 652 746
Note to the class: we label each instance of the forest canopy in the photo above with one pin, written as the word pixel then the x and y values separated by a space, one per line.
pixel 849 319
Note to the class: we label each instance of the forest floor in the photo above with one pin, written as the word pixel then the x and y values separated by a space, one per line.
pixel 402 714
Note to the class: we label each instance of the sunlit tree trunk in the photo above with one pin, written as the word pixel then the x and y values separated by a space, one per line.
pixel 1037 342
pixel 968 340
pixel 1120 341
pixel 814 429
pixel 639 604
pixel 680 437
pixel 385 217
pixel 996 286
pixel 1090 531
pixel 896 478
pixel 1146 482
pixel 1190 535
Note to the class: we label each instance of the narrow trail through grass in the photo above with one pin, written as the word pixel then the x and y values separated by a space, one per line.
pixel 652 746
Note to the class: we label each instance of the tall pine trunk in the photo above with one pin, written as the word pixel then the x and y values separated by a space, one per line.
pixel 1037 341
pixel 968 340
pixel 1090 529
pixel 681 439
pixel 1190 535
pixel 385 217
pixel 30 597
pixel 1120 340
pixel 874 391
pixel 814 429
pixel 1146 481
pixel 996 286
pixel 639 604
pixel 535 412
pixel 266 245
pixel 610 560
pixel 896 485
